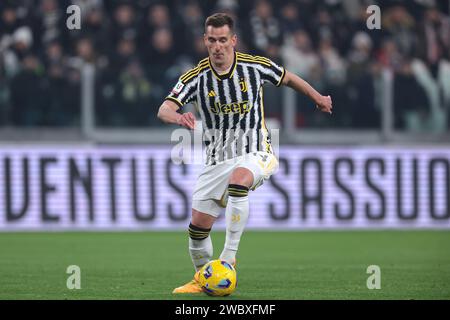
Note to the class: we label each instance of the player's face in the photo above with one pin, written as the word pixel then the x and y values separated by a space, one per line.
pixel 220 43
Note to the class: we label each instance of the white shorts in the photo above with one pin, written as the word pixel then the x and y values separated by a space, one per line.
pixel 211 191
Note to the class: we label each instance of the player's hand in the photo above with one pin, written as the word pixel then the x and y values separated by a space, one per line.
pixel 187 120
pixel 325 104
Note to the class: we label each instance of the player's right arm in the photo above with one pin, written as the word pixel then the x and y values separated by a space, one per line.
pixel 182 93
pixel 168 114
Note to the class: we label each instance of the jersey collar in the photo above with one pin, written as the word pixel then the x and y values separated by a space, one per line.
pixel 229 74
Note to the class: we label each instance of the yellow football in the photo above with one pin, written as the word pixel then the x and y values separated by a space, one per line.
pixel 218 278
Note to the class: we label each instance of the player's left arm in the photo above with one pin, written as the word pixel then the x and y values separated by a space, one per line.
pixel 293 81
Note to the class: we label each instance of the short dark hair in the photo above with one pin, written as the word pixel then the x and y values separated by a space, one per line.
pixel 218 20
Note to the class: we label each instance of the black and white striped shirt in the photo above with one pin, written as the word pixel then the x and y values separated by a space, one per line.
pixel 230 105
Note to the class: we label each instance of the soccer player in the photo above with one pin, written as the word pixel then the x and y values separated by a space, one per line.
pixel 227 89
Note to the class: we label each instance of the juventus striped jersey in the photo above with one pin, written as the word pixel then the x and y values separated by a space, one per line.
pixel 230 105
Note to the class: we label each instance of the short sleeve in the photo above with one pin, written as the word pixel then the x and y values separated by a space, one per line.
pixel 272 72
pixel 183 92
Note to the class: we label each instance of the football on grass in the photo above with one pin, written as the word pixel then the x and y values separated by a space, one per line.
pixel 218 278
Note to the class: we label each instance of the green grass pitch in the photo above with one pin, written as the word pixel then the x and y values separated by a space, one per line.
pixel 271 265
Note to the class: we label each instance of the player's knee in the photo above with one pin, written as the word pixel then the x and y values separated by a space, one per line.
pixel 202 220
pixel 242 176
pixel 198 233
pixel 237 190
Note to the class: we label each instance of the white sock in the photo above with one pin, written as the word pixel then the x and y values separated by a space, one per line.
pixel 201 251
pixel 236 216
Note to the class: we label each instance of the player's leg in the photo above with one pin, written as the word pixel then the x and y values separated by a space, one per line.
pixel 200 244
pixel 250 174
pixel 206 207
pixel 210 187
pixel 237 211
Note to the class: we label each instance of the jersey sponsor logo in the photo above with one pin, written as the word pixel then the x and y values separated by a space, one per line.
pixel 178 87
pixel 235 107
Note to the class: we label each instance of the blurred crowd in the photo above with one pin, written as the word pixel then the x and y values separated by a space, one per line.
pixel 140 48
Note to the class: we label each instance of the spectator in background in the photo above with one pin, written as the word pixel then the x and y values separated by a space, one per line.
pixel 265 38
pixel 362 76
pixel 96 26
pixel 29 94
pixel 158 17
pixel 85 51
pixel 432 71
pixel 135 96
pixel 63 104
pixel 54 54
pixel 434 39
pixel 57 112
pixel 124 24
pixel 334 74
pixel 71 100
pixel 411 105
pixel 192 18
pixel 160 57
pixel 123 101
pixel 360 55
pixel 124 54
pixel 333 64
pixel 300 58
pixel 199 49
pixel 389 55
pixel 322 27
pixel 48 24
pixel 299 55
pixel 264 29
pixel 9 22
pixel 306 14
pixel 88 6
pixel 332 23
pixel 401 28
pixel 16 47
pixel 228 6
pixel 290 18
pixel 359 23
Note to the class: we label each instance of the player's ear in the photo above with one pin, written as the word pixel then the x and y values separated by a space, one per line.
pixel 234 39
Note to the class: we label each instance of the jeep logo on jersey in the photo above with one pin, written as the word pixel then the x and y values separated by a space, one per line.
pixel 235 107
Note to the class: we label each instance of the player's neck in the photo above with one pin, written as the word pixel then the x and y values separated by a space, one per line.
pixel 225 67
